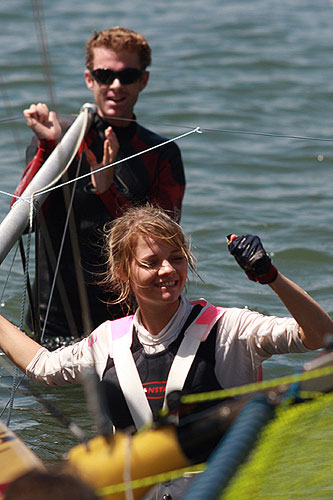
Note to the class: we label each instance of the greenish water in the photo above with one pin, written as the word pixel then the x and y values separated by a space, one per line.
pixel 257 78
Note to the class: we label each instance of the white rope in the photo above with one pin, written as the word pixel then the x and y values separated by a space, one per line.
pixel 11 195
pixel 47 190
pixel 196 130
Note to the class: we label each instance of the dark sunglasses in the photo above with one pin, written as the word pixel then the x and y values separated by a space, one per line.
pixel 125 76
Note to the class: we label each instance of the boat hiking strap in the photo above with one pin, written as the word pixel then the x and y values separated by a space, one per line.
pixel 127 373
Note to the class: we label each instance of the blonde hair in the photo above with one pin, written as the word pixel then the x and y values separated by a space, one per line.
pixel 119 39
pixel 121 237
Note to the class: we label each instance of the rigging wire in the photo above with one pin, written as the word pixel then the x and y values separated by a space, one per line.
pixel 8 274
pixel 10 118
pixel 39 19
pixel 35 324
pixel 37 9
pixel 44 191
pixel 48 189
pixel 230 131
pixel 24 294
pixel 213 130
pixel 11 399
pixel 14 383
pixel 55 411
pixel 56 270
pixel 17 381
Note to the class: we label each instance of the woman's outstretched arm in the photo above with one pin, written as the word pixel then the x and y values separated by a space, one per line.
pixel 17 346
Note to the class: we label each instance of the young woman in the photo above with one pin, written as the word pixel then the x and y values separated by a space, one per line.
pixel 171 343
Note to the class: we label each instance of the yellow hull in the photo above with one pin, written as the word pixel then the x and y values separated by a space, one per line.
pixel 15 457
pixel 101 463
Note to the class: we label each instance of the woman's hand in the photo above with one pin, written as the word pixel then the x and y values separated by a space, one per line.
pixel 252 257
pixel 314 323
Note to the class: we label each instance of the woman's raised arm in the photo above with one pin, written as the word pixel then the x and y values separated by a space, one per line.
pixel 313 321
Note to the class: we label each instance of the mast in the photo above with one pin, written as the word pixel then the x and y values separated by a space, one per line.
pixel 17 219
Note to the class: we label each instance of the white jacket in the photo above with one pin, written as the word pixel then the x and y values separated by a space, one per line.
pixel 244 340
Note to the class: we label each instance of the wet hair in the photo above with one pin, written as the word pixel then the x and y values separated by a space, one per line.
pixel 119 39
pixel 121 237
pixel 38 484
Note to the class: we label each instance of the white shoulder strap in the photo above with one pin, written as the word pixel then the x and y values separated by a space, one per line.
pixel 193 336
pixel 127 373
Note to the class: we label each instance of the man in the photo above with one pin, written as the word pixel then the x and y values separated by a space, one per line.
pixel 116 73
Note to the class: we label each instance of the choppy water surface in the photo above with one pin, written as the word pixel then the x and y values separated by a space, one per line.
pixel 257 78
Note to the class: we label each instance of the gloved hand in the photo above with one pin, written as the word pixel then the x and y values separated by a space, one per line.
pixel 251 256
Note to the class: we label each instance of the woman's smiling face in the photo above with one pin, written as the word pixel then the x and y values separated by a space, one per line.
pixel 158 273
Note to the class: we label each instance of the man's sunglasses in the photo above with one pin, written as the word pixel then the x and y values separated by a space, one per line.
pixel 125 76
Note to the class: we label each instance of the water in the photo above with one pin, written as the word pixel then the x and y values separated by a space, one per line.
pixel 238 70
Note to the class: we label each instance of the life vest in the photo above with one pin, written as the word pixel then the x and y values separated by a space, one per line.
pixel 137 383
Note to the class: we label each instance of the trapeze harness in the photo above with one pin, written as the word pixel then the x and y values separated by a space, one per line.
pixel 137 384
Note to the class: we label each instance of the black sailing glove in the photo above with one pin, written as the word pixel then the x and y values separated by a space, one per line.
pixel 251 256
